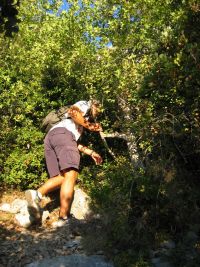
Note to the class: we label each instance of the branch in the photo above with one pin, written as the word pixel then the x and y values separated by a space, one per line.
pixel 102 135
pixel 113 135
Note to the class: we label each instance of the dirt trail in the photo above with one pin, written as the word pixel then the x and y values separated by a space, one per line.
pixel 20 246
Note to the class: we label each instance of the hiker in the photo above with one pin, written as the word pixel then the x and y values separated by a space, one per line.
pixel 62 158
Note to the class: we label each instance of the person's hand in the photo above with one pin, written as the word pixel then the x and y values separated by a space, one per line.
pixel 95 127
pixel 97 158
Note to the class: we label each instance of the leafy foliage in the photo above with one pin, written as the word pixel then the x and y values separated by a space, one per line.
pixel 141 53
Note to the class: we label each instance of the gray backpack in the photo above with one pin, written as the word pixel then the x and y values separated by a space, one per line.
pixel 53 118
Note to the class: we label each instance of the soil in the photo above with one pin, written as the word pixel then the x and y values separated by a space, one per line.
pixel 20 246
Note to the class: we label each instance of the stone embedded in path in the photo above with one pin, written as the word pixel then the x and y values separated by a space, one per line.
pixel 80 209
pixel 80 205
pixel 15 207
pixel 24 220
pixel 5 207
pixel 75 260
pixel 19 205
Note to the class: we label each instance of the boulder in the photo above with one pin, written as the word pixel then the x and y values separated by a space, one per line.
pixel 24 220
pixel 80 205
pixel 18 205
pixel 5 207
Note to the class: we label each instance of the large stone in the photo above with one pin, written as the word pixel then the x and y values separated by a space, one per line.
pixel 5 207
pixel 19 205
pixel 24 220
pixel 45 215
pixel 80 206
pixel 75 260
pixel 15 207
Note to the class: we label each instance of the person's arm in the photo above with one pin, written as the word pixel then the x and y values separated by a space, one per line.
pixel 95 156
pixel 76 114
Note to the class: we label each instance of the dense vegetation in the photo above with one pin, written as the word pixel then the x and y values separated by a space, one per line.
pixel 141 59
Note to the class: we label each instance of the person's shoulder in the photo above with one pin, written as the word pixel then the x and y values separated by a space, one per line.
pixel 82 104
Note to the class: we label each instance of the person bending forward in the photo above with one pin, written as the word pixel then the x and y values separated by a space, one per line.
pixel 63 158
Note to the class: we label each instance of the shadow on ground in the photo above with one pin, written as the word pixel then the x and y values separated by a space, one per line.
pixel 20 246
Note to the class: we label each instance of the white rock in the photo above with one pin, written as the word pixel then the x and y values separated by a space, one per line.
pixel 45 215
pixel 24 220
pixel 24 210
pixel 17 205
pixel 5 207
pixel 80 205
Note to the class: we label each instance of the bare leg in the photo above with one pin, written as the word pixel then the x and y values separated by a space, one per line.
pixel 67 191
pixel 51 184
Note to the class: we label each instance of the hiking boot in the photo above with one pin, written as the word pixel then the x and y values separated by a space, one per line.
pixel 64 221
pixel 33 200
pixel 61 222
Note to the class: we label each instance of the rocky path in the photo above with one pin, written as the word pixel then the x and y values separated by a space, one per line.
pixel 41 245
pixel 79 244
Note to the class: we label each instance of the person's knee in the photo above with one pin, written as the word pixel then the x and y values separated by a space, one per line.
pixel 70 175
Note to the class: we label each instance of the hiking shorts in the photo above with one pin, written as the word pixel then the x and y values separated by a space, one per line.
pixel 61 151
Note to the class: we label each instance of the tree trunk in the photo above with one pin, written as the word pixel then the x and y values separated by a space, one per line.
pixel 127 131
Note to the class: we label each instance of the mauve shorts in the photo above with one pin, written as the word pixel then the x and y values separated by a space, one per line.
pixel 61 151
